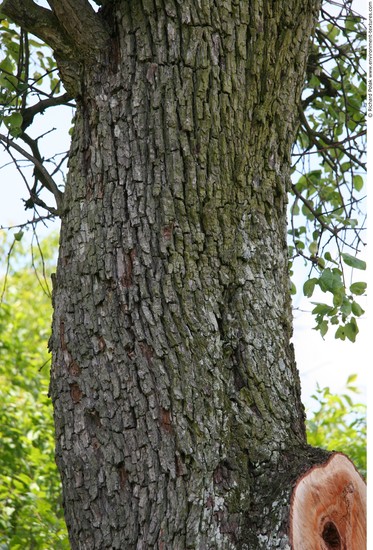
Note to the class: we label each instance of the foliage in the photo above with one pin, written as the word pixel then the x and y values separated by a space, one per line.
pixel 339 423
pixel 327 221
pixel 30 500
pixel 27 64
pixel 29 85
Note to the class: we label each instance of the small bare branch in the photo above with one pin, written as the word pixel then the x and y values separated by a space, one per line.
pixel 318 216
pixel 33 222
pixel 29 113
pixel 51 184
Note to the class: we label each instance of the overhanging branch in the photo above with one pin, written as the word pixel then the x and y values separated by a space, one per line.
pixel 29 113
pixel 39 21
pixel 48 181
pixel 71 28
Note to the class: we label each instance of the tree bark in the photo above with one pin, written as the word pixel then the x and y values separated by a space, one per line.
pixel 178 417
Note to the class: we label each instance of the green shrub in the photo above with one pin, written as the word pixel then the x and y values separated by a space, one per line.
pixel 339 423
pixel 31 514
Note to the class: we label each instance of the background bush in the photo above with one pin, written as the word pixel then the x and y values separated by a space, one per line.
pixel 31 514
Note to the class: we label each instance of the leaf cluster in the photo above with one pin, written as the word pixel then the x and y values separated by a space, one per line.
pixel 344 308
pixel 25 64
pixel 30 495
pixel 339 423
pixel 327 216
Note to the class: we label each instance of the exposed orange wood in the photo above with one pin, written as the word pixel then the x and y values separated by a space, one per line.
pixel 328 508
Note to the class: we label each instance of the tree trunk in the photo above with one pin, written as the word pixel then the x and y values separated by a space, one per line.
pixel 177 400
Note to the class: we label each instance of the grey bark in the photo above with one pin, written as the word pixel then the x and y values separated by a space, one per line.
pixel 177 404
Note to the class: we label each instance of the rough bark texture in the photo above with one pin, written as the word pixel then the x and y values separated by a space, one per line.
pixel 177 399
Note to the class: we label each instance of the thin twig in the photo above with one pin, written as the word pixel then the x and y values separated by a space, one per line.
pixel 58 195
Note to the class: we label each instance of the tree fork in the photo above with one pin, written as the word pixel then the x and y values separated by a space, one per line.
pixel 72 29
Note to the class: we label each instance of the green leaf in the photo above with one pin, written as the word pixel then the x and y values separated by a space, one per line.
pixel 309 287
pixel 295 209
pixel 313 248
pixel 330 280
pixel 358 182
pixel 7 65
pixel 38 77
pixel 329 258
pixel 358 288
pixel 351 379
pixel 354 262
pixel 14 122
pixel 357 309
pixel 346 306
pixel 322 309
pixel 323 327
pixel 299 245
pixel 351 329
pixel 338 297
pixel 340 333
pixel 18 236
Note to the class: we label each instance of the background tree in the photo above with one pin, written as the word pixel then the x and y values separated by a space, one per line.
pixel 31 513
pixel 339 423
pixel 173 376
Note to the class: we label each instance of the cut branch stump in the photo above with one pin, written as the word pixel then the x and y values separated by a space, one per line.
pixel 328 508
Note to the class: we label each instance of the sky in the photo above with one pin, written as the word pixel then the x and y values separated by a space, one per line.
pixel 327 362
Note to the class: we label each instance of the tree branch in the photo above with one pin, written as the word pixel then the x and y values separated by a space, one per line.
pixel 50 184
pixel 39 176
pixel 29 113
pixel 33 222
pixel 317 215
pixel 315 136
pixel 41 22
pixel 81 23
pixel 71 28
